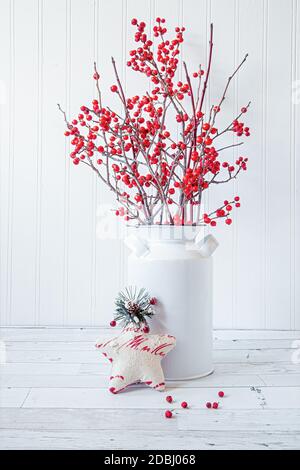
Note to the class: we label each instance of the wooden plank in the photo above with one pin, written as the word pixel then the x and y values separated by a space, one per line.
pixel 259 368
pixel 147 440
pixel 55 53
pixel 102 380
pixel 250 344
pixel 12 397
pixel 257 334
pixel 60 380
pixel 224 368
pixel 278 380
pixel 249 308
pixel 81 212
pixel 85 334
pixel 65 357
pixel 296 176
pixel 56 334
pixel 7 111
pixel 138 398
pixel 40 369
pixel 31 419
pixel 281 397
pixel 194 420
pixel 222 15
pixel 278 299
pixel 253 356
pixel 22 267
pixel 73 345
pixel 50 345
pixel 143 397
pixel 108 242
pixel 92 356
pixel 244 420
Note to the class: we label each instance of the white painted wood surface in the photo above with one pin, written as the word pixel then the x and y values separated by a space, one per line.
pixel 53 270
pixel 49 402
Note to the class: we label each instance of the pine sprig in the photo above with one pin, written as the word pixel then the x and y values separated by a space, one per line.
pixel 133 306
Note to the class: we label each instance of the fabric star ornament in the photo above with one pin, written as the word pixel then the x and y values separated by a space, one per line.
pixel 136 357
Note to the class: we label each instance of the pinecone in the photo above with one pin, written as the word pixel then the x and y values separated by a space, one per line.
pixel 132 308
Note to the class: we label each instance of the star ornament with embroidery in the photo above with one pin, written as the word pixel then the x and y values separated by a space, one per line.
pixel 136 358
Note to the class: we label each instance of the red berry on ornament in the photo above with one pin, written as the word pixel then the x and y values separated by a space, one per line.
pixel 221 394
pixel 215 405
pixel 168 414
pixel 184 404
pixel 169 399
pixel 208 404
pixel 113 323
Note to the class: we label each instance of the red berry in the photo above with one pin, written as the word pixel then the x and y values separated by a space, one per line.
pixel 244 110
pixel 228 221
pixel 113 323
pixel 169 399
pixel 114 88
pixel 146 329
pixel 221 394
pixel 153 301
pixel 208 404
pixel 134 21
pixel 184 404
pixel 237 198
pixel 96 76
pixel 215 405
pixel 168 414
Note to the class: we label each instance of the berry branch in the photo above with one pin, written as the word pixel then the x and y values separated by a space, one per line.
pixel 156 176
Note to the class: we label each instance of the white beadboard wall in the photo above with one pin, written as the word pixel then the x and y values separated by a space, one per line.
pixel 53 269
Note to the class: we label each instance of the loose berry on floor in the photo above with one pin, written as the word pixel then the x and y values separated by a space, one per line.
pixel 113 323
pixel 208 404
pixel 184 404
pixel 168 414
pixel 221 394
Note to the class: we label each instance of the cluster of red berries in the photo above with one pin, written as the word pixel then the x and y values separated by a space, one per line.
pixel 163 72
pixel 221 213
pixel 215 404
pixel 169 399
pixel 184 404
pixel 240 129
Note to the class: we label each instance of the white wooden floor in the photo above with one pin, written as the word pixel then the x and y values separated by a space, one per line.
pixel 54 396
